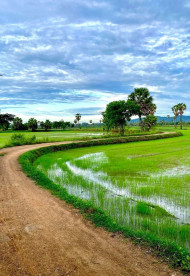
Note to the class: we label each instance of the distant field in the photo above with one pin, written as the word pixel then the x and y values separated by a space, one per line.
pixel 51 135
pixel 66 135
pixel 144 186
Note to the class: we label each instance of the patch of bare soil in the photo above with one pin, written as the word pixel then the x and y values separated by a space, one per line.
pixel 42 235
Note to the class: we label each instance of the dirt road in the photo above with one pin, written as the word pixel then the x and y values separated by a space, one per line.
pixel 42 235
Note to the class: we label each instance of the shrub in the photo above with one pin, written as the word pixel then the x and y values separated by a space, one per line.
pixel 20 139
pixel 149 122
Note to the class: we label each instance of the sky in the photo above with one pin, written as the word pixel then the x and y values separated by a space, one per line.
pixel 61 57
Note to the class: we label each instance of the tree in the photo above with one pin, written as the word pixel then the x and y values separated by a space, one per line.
pixel 56 124
pixel 149 122
pixel 90 121
pixel 117 113
pixel 162 122
pixel 67 124
pixel 25 126
pixel 176 113
pixel 5 120
pixel 141 97
pixel 62 124
pixel 168 116
pixel 47 125
pixel 78 117
pixel 181 108
pixel 17 123
pixel 42 125
pixel 32 124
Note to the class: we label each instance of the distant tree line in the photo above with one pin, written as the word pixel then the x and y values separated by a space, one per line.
pixel 115 117
pixel 33 124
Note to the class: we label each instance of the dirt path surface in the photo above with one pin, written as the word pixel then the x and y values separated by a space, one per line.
pixel 41 235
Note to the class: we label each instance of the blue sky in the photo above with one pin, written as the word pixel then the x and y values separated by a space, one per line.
pixel 60 57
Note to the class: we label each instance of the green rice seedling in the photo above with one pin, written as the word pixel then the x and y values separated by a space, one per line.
pixel 143 208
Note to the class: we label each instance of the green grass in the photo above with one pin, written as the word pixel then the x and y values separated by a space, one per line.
pixel 49 136
pixel 113 200
pixel 72 135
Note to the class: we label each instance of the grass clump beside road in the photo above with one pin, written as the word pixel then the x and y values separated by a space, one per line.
pixel 178 255
pixel 20 139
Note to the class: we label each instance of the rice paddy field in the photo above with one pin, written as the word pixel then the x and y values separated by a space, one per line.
pixel 144 186
pixel 50 136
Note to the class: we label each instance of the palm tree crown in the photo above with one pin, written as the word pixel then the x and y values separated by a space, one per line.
pixel 181 108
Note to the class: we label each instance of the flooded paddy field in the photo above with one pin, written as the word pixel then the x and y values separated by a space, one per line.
pixel 144 185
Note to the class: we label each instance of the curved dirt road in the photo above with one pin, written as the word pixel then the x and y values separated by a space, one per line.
pixel 42 235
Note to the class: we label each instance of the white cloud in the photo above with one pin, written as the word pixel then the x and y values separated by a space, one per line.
pixel 95 50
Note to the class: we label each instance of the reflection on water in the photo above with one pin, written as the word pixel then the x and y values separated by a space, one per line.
pixel 83 178
pixel 102 179
pixel 176 171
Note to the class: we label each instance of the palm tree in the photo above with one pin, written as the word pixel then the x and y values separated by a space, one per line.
pixel 181 108
pixel 168 116
pixel 78 117
pixel 141 97
pixel 173 120
pixel 162 122
pixel 176 113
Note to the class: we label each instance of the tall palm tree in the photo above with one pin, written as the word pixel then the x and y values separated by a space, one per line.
pixel 141 97
pixel 78 117
pixel 181 108
pixel 176 114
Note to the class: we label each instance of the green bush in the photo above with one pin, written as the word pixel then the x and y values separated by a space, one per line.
pixel 20 139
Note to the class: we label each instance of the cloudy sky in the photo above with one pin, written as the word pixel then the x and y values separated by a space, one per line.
pixel 60 57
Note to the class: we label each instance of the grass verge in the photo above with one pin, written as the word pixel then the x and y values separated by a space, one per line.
pixel 177 256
